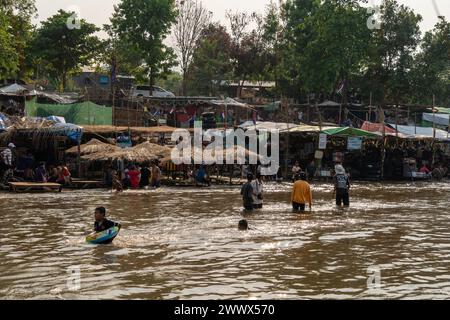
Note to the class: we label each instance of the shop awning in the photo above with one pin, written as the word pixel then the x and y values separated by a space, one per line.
pixel 349 132
pixel 421 132
pixel 440 119
pixel 267 125
pixel 376 127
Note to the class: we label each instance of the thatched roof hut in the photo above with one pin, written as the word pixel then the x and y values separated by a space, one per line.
pixel 93 146
pixel 235 151
pixel 158 150
pixel 141 153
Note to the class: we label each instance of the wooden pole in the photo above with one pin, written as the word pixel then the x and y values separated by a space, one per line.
pixel 396 121
pixel 79 156
pixel 434 120
pixel 287 144
pixel 434 132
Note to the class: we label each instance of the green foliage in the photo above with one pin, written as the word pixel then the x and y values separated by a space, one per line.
pixel 145 24
pixel 431 73
pixel 63 51
pixel 211 61
pixel 172 82
pixel 15 35
pixel 392 53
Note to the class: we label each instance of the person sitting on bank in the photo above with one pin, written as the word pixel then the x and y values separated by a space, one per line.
pixel 296 169
pixel 341 186
pixel 202 176
pixel 247 193
pixel 40 174
pixel 424 169
pixel 101 223
pixel 53 174
pixel 257 186
pixel 64 176
pixel 301 193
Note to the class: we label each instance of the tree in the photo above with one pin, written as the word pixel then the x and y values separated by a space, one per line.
pixel 15 34
pixel 272 36
pixel 211 61
pixel 297 33
pixel 338 49
pixel 431 73
pixel 121 56
pixel 248 50
pixel 64 50
pixel 191 21
pixel 8 56
pixel 392 51
pixel 146 23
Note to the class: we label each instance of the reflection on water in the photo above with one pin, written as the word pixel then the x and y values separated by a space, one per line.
pixel 184 243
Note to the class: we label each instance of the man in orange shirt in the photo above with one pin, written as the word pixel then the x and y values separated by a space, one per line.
pixel 301 193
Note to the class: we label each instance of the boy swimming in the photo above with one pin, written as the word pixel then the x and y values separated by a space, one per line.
pixel 101 223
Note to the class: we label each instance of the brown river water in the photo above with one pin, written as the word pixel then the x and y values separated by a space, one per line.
pixel 393 243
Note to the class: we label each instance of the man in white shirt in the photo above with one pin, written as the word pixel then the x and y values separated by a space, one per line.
pixel 6 155
pixel 257 186
pixel 6 163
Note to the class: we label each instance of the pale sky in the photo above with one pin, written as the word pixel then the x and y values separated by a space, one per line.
pixel 99 11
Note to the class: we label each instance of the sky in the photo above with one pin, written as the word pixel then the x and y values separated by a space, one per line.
pixel 99 11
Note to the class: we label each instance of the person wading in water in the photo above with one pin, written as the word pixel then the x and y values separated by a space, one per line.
pixel 247 193
pixel 257 186
pixel 301 193
pixel 341 186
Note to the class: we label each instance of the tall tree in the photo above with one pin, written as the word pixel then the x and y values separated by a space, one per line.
pixel 15 34
pixel 211 61
pixel 297 33
pixel 249 54
pixel 338 48
pixel 63 49
pixel 146 23
pixel 192 20
pixel 431 74
pixel 392 51
pixel 121 57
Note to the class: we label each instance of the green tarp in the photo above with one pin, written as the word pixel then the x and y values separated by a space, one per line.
pixel 85 113
pixel 349 132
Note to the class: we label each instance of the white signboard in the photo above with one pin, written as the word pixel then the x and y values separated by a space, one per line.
pixel 322 141
pixel 354 143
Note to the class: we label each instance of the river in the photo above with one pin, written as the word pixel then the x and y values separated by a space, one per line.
pixel 393 243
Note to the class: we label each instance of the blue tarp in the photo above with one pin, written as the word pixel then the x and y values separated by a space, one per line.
pixel 72 131
pixel 420 132
pixel 3 120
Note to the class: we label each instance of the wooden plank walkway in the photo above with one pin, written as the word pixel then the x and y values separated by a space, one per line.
pixel 34 187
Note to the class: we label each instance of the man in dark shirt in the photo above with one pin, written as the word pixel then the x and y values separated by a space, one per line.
pixel 101 223
pixel 247 193
pixel 341 186
pixel 145 176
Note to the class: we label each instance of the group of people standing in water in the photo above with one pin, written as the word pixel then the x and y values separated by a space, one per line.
pixel 301 196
